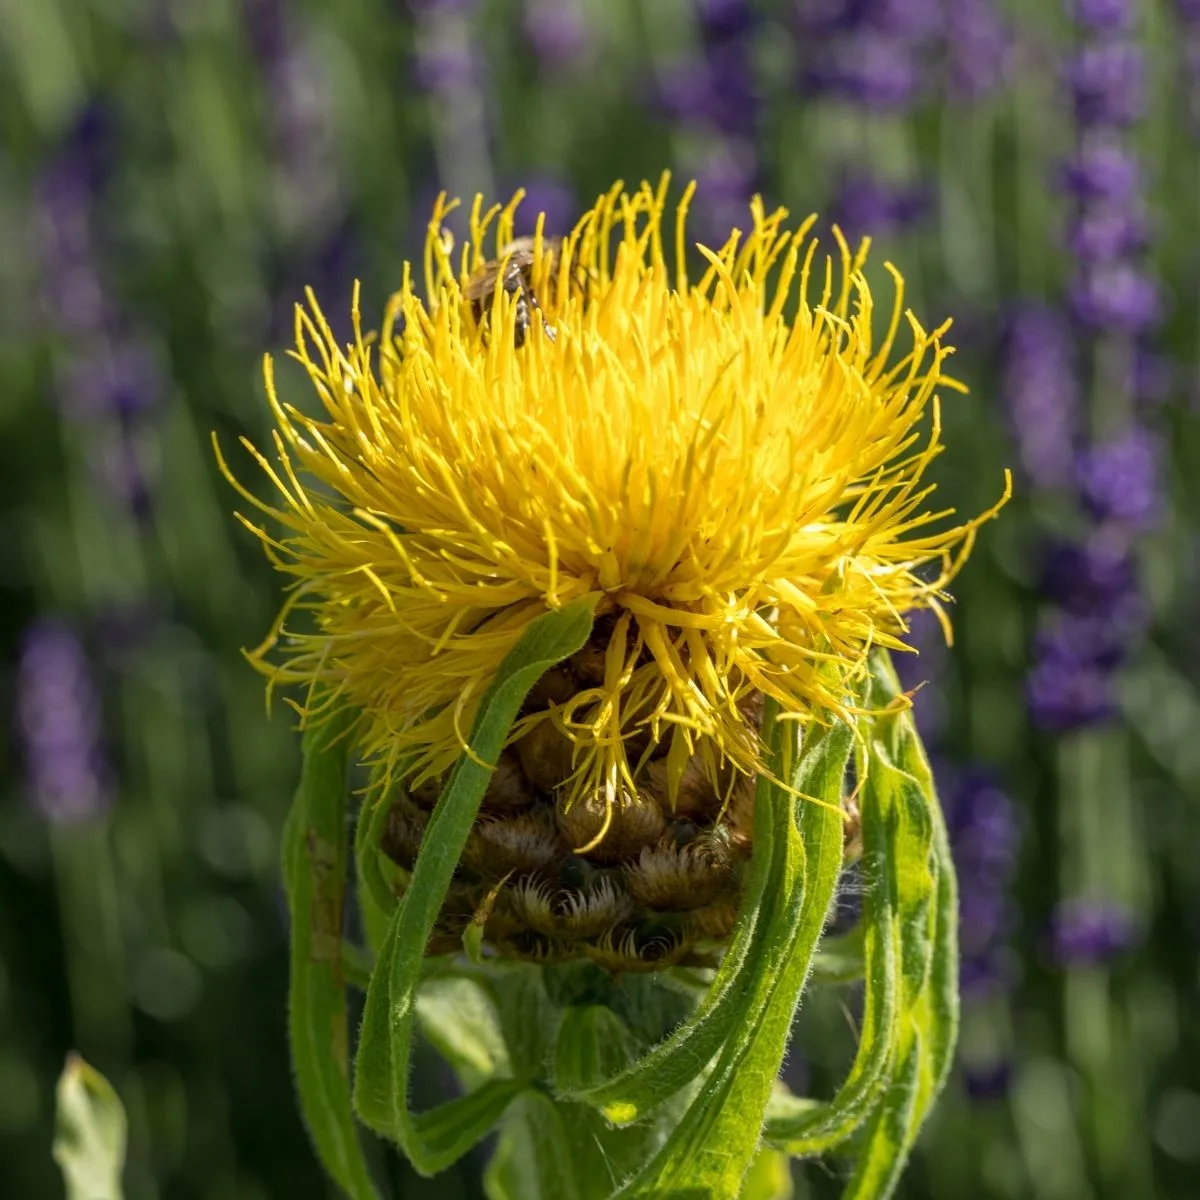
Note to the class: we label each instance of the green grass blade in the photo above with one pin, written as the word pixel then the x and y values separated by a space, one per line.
pixel 89 1133
pixel 712 1148
pixel 315 859
pixel 435 1139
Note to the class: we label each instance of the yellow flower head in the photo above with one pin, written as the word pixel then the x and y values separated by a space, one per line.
pixel 733 465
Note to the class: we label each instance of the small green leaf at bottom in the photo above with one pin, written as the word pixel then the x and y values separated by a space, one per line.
pixel 89 1133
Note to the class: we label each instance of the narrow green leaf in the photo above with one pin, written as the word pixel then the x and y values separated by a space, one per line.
pixel 315 859
pixel 889 1134
pixel 89 1133
pixel 710 1151
pixel 826 1125
pixel 375 876
pixel 676 1061
pixel 435 1139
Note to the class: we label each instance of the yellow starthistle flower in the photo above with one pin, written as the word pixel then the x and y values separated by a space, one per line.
pixel 732 464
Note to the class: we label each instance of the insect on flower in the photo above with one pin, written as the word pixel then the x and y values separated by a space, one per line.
pixel 513 272
pixel 730 465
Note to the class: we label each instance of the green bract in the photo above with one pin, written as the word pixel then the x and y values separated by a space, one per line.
pixel 641 1086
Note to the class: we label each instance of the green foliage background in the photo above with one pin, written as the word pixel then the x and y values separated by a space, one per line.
pixel 152 939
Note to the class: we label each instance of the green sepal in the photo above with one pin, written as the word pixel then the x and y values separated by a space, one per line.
pixel 674 1063
pixel 89 1133
pixel 593 1043
pixel 435 1139
pixel 315 860
pixel 711 1149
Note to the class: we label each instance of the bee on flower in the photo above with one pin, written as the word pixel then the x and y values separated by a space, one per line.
pixel 730 464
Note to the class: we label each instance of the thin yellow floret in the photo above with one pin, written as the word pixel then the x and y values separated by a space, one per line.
pixel 732 467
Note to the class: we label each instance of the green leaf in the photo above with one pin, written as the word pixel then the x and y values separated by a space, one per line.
pixel 541 1166
pixel 593 1043
pixel 711 1149
pixel 458 1017
pixel 889 1135
pixel 376 876
pixel 676 1061
pixel 315 859
pixel 435 1139
pixel 89 1133
pixel 826 1125
pixel 769 1177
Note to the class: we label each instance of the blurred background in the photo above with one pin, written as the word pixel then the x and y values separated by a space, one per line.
pixel 173 172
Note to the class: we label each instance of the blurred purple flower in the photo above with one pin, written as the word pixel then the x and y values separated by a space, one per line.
pixel 1065 692
pixel 924 668
pixel 1119 479
pixel 1088 933
pixel 1103 170
pixel 1104 16
pixel 722 19
pixel 58 714
pixel 866 206
pixel 555 199
pixel 872 70
pixel 978 48
pixel 1102 234
pixel 1041 394
pixel 985 838
pixel 1118 297
pixel 1085 577
pixel 265 27
pixel 446 65
pixel 118 376
pixel 1107 82
pixel 987 1081
pixel 557 30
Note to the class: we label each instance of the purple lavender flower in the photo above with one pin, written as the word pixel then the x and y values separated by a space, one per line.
pixel 1107 81
pixel 724 19
pixel 119 376
pixel 1105 233
pixel 1103 170
pixel 871 70
pixel 1089 932
pixel 59 720
pixel 984 838
pixel 987 1081
pixel 546 195
pixel 864 205
pixel 1041 394
pixel 1118 297
pixel 1104 16
pixel 978 49
pixel 926 637
pixel 557 30
pixel 1119 480
pixel 1066 692
pixel 1082 577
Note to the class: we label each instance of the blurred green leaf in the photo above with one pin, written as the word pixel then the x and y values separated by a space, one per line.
pixel 89 1135
pixel 315 859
